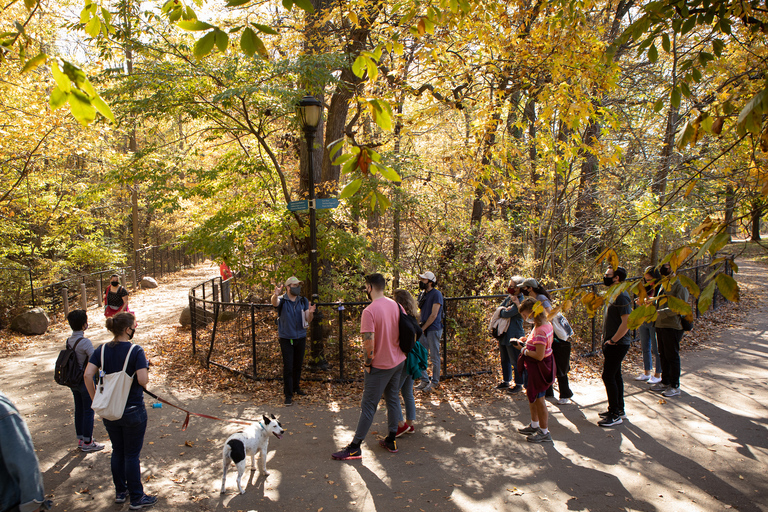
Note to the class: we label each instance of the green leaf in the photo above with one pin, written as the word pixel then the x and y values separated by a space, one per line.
pixel 237 3
pixel 690 284
pixel 194 25
pixel 58 98
pixel 103 108
pixel 106 15
pixel 705 299
pixel 81 107
pixel 688 25
pixel 720 241
pixel 342 159
pixel 640 315
pixel 684 135
pixel 653 53
pixel 85 15
pixel 383 200
pixel 175 15
pixel 753 105
pixel 221 39
pixel 335 146
pixel 62 80
pixel 248 42
pixel 382 113
pixel 685 89
pixel 351 189
pixel 93 27
pixel 30 4
pixel 717 47
pixel 728 287
pixel 188 14
pixel 679 306
pixel 658 105
pixel 674 97
pixel 304 4
pixel 359 66
pixel 265 29
pixel 387 172
pixel 665 43
pixel 204 45
pixel 34 62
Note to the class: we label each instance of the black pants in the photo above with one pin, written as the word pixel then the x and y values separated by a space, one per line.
pixel 614 383
pixel 669 353
pixel 293 360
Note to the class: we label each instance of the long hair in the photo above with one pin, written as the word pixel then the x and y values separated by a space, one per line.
pixel 118 324
pixel 405 299
pixel 527 305
pixel 541 291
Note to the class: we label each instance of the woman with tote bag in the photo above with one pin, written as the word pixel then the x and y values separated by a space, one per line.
pixel 122 374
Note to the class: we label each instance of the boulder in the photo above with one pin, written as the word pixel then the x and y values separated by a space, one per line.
pixel 227 315
pixel 186 317
pixel 33 322
pixel 202 316
pixel 147 282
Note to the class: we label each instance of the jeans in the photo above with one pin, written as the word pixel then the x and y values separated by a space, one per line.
pixel 669 353
pixel 127 437
pixel 614 384
pixel 378 381
pixel 406 391
pixel 509 355
pixel 649 346
pixel 83 413
pixel 431 341
pixel 293 360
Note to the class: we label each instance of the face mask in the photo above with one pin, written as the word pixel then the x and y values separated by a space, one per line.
pixel 529 319
pixel 115 283
pixel 422 285
pixel 130 336
pixel 511 291
pixel 607 281
pixel 295 290
pixel 665 270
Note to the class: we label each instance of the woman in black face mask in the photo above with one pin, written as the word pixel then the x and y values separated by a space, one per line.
pixel 115 298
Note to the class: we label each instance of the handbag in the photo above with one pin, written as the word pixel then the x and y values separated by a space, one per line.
pixel 562 327
pixel 112 390
pixel 686 324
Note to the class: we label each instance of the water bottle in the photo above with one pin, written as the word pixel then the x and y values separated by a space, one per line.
pixel 157 405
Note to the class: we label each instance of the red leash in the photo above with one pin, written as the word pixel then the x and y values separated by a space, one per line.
pixel 186 420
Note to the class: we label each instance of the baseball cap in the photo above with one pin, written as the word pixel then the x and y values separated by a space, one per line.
pixel 518 280
pixel 531 282
pixel 292 280
pixel 429 276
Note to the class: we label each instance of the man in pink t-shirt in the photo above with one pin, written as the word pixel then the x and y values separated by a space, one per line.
pixel 384 362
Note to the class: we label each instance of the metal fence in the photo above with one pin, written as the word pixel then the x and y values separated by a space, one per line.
pixel 18 290
pixel 242 337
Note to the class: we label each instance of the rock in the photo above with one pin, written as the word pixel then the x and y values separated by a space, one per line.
pixel 147 282
pixel 202 317
pixel 227 315
pixel 186 317
pixel 33 322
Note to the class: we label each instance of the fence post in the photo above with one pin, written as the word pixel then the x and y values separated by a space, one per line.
pixel 192 318
pixel 213 333
pixel 31 288
pixel 253 339
pixel 99 292
pixel 341 342
pixel 226 293
pixel 215 292
pixel 122 280
pixel 154 260
pixel 65 300
pixel 83 296
pixel 133 277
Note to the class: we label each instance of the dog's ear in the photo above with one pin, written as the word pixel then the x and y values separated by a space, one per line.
pixel 273 417
pixel 266 420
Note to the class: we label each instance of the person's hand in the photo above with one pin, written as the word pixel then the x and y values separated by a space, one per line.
pixel 515 300
pixel 312 308
pixel 277 291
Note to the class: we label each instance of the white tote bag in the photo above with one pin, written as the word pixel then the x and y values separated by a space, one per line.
pixel 562 327
pixel 112 390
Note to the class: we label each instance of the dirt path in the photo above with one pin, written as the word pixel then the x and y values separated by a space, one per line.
pixel 704 451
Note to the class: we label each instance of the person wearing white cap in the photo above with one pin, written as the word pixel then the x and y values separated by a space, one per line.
pixel 294 314
pixel 431 320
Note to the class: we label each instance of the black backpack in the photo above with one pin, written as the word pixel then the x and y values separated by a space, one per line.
pixel 302 300
pixel 67 371
pixel 410 331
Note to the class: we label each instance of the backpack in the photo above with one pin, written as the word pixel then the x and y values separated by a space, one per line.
pixel 67 371
pixel 302 300
pixel 112 390
pixel 410 331
pixel 561 327
pixel 686 324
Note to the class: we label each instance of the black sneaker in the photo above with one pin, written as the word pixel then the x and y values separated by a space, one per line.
pixel 610 420
pixel 502 385
pixel 621 414
pixel 389 444
pixel 517 389
pixel 288 401
pixel 528 430
pixel 300 392
pixel 351 452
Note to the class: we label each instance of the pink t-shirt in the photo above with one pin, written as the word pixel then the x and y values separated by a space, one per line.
pixel 541 335
pixel 382 318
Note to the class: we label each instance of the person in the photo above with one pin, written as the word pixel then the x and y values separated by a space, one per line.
pixel 126 433
pixel 539 363
pixel 294 314
pixel 647 332
pixel 384 362
pixel 406 426
pixel 616 341
pixel 560 348
pixel 225 271
pixel 115 298
pixel 21 482
pixel 669 332
pixel 431 321
pixel 78 321
pixel 509 352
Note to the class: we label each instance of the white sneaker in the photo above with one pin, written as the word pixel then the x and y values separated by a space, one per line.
pixel 643 377
pixel 654 380
pixel 563 401
pixel 671 392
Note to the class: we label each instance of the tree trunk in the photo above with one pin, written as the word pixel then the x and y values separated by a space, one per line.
pixel 757 213
pixel 730 206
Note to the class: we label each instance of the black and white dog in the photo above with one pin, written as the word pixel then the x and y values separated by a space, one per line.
pixel 253 439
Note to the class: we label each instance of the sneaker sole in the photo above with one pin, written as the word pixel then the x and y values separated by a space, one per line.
pixel 539 441
pixel 526 433
pixel 390 450
pixel 611 424
pixel 353 457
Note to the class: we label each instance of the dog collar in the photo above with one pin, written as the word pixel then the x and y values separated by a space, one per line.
pixel 262 426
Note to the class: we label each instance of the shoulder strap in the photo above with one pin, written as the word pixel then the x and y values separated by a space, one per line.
pixel 81 338
pixel 125 364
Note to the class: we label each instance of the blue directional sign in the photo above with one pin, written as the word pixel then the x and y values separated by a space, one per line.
pixel 295 206
pixel 326 203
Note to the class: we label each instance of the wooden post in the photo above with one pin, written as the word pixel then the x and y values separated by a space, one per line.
pixel 99 292
pixel 83 297
pixel 135 282
pixel 65 300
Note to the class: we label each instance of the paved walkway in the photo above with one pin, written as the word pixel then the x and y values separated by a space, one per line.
pixel 704 451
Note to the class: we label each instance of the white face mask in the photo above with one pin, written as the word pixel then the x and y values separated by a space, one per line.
pixel 529 319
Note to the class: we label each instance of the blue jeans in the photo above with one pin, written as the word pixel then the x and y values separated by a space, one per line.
pixel 83 413
pixel 378 382
pixel 127 436
pixel 431 342
pixel 649 346
pixel 509 355
pixel 406 391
